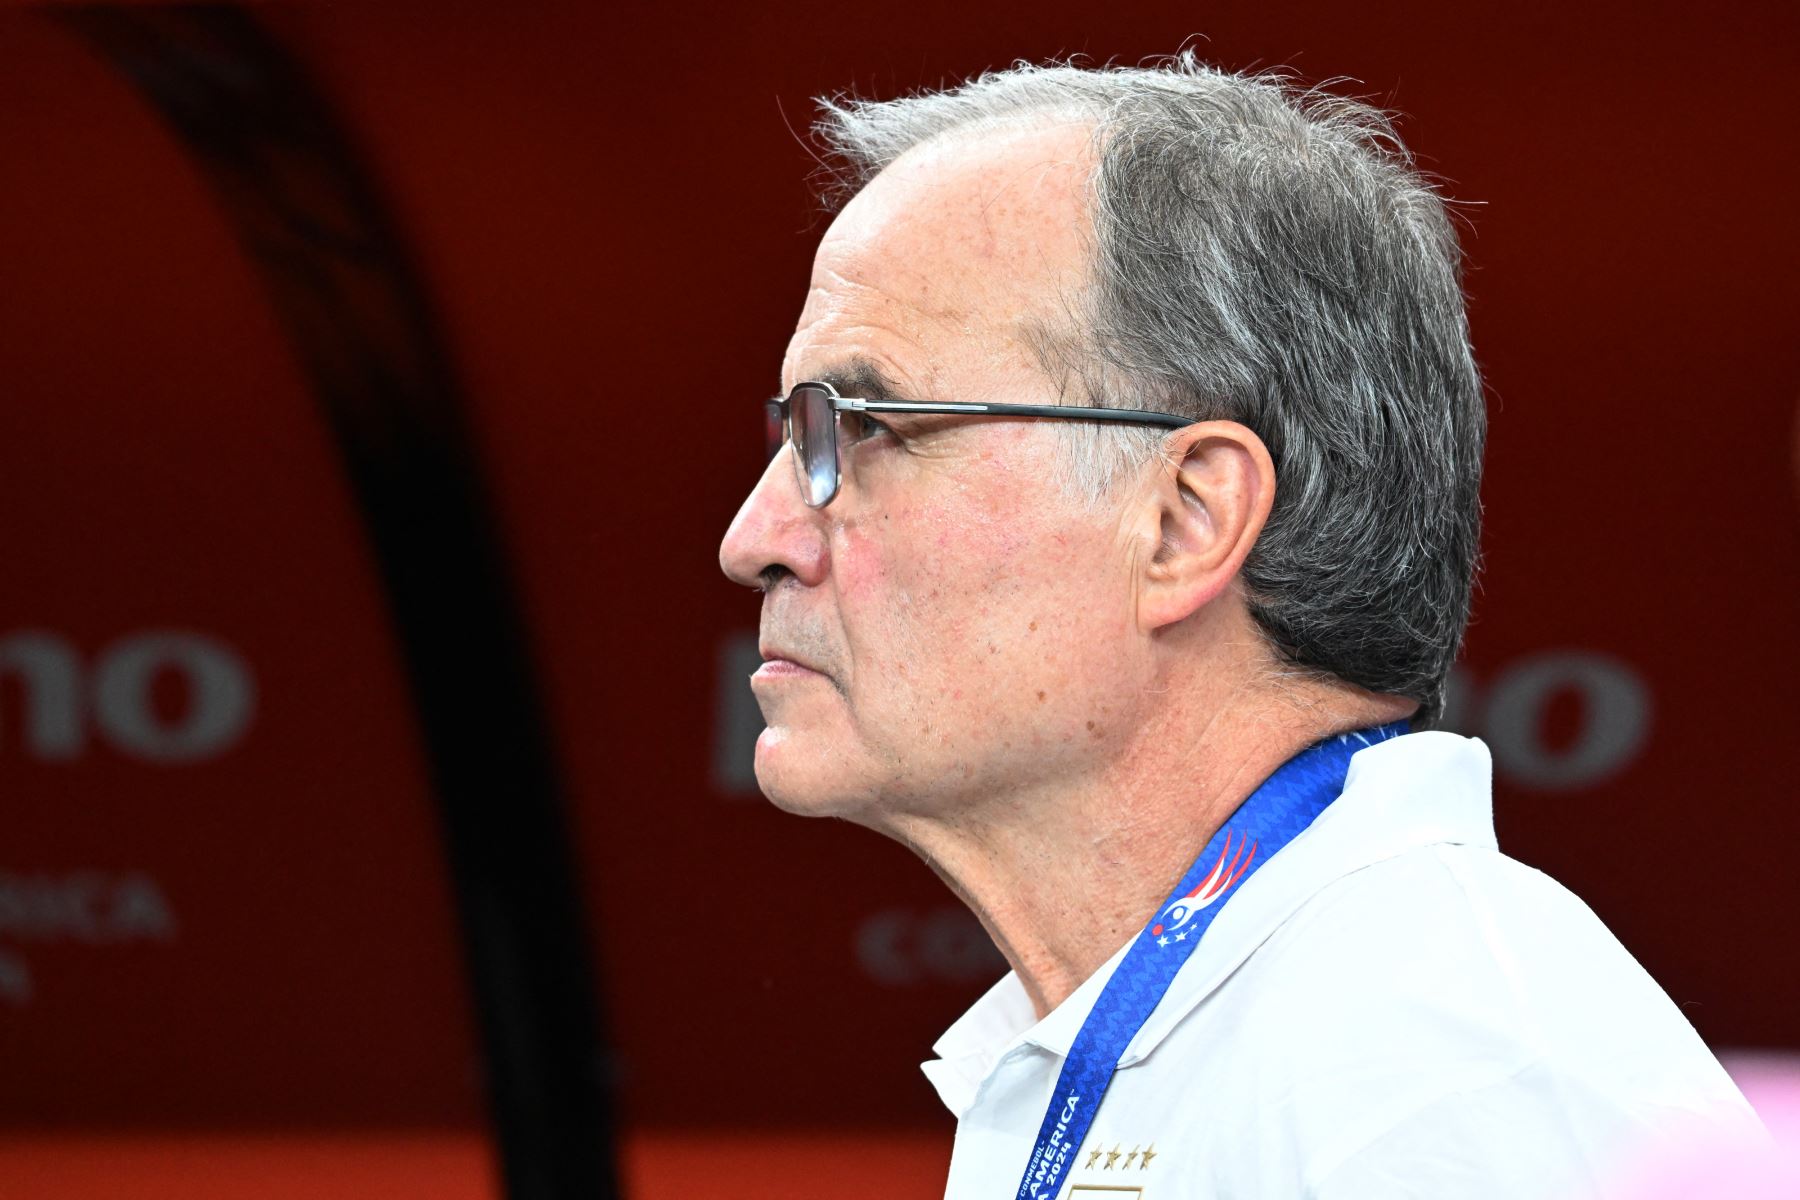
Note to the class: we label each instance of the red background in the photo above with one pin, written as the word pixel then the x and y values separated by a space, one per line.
pixel 613 217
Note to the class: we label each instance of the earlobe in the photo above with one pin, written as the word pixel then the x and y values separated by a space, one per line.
pixel 1211 508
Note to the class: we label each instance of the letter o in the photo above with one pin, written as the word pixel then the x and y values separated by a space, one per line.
pixel 222 690
pixel 1618 719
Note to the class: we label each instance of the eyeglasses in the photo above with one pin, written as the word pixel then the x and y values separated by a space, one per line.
pixel 808 416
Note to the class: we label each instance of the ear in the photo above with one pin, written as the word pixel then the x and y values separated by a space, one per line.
pixel 1210 509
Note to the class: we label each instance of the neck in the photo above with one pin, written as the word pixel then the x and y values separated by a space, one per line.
pixel 1062 876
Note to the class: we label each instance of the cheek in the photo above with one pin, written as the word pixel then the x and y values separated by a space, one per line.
pixel 971 611
pixel 910 588
pixel 920 566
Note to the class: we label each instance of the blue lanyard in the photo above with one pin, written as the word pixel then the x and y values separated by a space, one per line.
pixel 1272 817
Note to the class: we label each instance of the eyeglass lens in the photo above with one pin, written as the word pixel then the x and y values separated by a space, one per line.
pixel 814 426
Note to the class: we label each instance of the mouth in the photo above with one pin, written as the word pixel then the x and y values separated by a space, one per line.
pixel 781 668
pixel 780 665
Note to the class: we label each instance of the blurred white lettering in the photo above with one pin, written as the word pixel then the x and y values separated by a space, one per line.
pixel 50 668
pixel 84 906
pixel 902 948
pixel 1508 714
pixel 15 980
pixel 60 704
pixel 737 719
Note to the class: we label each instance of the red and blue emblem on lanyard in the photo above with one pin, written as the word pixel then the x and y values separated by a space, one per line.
pixel 1275 814
pixel 1183 909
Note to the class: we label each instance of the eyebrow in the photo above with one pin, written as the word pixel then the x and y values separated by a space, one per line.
pixel 862 379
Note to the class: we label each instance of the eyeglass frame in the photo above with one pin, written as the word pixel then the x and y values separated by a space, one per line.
pixel 780 414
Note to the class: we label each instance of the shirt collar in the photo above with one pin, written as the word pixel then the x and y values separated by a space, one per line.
pixel 967 1052
pixel 1421 789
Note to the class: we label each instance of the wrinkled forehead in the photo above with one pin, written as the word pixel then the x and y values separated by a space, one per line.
pixel 973 236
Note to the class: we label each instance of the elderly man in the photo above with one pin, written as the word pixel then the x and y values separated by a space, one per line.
pixel 1125 516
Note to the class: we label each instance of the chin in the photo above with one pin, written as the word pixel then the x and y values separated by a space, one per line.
pixel 794 780
pixel 806 780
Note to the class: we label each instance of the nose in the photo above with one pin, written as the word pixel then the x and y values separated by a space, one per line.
pixel 775 528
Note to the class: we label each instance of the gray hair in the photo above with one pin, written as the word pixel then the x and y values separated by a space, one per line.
pixel 1271 256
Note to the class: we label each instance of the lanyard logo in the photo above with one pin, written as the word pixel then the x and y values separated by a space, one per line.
pixel 1182 909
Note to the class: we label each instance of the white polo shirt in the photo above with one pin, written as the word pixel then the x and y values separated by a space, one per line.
pixel 1389 1007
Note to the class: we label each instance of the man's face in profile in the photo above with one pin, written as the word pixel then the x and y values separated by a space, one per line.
pixel 952 621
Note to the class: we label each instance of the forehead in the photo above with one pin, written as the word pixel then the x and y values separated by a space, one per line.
pixel 955 251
